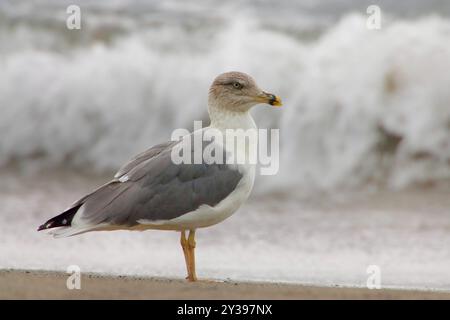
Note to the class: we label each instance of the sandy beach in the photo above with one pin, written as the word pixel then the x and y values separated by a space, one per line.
pixel 22 284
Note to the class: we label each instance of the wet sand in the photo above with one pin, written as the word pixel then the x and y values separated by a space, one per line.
pixel 15 284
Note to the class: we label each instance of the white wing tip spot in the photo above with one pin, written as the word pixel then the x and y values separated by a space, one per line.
pixel 124 179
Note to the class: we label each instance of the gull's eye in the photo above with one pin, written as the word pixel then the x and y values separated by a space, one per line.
pixel 237 85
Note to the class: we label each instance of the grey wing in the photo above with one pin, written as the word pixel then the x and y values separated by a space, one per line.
pixel 158 189
pixel 144 156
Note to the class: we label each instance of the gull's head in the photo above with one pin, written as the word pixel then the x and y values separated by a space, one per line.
pixel 237 91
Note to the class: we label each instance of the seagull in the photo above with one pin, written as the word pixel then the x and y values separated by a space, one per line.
pixel 152 191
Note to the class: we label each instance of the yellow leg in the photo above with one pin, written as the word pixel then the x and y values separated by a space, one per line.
pixel 191 249
pixel 185 246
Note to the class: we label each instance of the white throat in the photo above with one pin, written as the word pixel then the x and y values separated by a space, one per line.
pixel 223 118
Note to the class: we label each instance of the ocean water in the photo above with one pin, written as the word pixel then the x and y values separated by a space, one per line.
pixel 364 110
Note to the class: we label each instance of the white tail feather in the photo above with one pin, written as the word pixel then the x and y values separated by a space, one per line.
pixel 69 231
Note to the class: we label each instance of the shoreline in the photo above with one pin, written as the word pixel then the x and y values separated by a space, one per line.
pixel 281 240
pixel 33 284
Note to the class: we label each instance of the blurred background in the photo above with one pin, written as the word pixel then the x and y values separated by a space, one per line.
pixel 364 131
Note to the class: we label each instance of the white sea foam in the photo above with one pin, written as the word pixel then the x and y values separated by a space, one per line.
pixel 360 108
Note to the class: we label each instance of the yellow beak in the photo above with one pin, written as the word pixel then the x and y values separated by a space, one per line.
pixel 269 98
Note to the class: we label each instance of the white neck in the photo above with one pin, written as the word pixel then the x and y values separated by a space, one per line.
pixel 223 118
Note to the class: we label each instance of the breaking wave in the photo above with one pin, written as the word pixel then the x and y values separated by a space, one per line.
pixel 361 107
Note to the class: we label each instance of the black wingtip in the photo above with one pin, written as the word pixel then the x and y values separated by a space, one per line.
pixel 48 224
pixel 42 227
pixel 62 220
